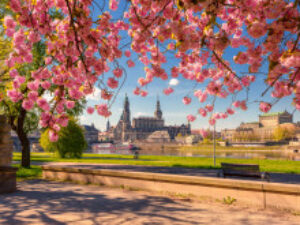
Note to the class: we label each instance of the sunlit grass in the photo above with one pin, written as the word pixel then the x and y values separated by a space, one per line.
pixel 33 172
pixel 284 166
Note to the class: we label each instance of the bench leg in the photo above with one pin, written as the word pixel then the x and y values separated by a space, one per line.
pixel 265 176
pixel 220 174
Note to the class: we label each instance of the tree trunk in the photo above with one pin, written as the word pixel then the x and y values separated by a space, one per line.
pixel 25 149
pixel 23 139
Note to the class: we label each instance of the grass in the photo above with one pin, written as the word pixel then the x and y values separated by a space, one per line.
pixel 34 172
pixel 283 166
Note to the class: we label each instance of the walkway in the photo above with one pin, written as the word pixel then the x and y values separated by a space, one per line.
pixel 44 202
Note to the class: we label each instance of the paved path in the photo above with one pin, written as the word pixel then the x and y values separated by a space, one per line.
pixel 43 202
pixel 275 177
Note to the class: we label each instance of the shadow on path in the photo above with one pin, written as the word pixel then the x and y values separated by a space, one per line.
pixel 45 201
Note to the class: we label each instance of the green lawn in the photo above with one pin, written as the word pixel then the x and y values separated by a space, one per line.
pixel 284 166
pixel 32 173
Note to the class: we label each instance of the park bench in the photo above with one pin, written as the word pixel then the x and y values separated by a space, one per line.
pixel 242 170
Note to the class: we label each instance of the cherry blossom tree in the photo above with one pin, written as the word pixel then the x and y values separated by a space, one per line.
pixel 81 50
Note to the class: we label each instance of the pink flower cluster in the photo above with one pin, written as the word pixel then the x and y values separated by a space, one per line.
pixel 80 50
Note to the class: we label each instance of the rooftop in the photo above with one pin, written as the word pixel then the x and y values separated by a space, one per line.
pixel 145 118
pixel 90 128
pixel 274 113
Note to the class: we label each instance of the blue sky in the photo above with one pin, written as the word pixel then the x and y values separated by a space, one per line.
pixel 174 111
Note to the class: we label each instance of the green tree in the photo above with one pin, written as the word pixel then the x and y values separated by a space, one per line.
pixel 283 133
pixel 70 144
pixel 21 121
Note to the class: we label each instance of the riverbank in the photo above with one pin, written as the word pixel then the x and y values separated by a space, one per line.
pixel 205 150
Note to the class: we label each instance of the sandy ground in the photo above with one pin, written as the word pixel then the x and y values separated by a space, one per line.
pixel 47 202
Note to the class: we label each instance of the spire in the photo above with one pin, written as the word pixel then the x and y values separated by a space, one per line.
pixel 107 125
pixel 158 112
pixel 126 103
pixel 126 112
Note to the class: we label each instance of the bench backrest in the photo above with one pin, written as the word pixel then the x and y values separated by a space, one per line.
pixel 250 170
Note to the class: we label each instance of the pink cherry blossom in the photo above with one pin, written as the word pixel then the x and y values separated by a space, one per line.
pixel 186 100
pixel 9 22
pixel 20 79
pixel 33 96
pixel 81 49
pixel 191 118
pixel 136 91
pixel 130 63
pixel 244 105
pixel 241 58
pixel 168 90
pixel 56 127
pixel 143 93
pixel 257 29
pixel 48 60
pixel 265 107
pixel 127 53
pixel 230 111
pixel 112 83
pixel 33 85
pixel 14 95
pixel 70 104
pixel 212 122
pixel 118 72
pixel 43 104
pixel 14 73
pixel 209 108
pixel 103 110
pixel 46 85
pixel 202 112
pixel 106 95
pixel 27 104
pixel 113 4
pixel 53 136
pixel 236 104
pixel 63 120
pixel 90 110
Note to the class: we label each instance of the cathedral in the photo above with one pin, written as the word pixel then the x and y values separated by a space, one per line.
pixel 140 128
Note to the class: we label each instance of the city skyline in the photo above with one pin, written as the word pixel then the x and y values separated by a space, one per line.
pixel 146 106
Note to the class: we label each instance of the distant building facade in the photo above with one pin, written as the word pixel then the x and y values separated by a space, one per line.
pixel 140 128
pixel 258 131
pixel 90 134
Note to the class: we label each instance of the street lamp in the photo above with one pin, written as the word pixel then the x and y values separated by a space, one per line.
pixel 214 138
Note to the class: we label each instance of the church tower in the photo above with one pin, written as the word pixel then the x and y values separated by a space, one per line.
pixel 107 126
pixel 126 114
pixel 158 112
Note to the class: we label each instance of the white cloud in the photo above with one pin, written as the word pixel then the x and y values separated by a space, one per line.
pixel 94 96
pixel 83 119
pixel 173 82
pixel 138 114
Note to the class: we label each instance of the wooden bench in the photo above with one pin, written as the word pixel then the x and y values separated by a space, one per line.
pixel 242 170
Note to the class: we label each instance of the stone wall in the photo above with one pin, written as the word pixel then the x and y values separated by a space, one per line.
pixel 262 194
pixel 7 173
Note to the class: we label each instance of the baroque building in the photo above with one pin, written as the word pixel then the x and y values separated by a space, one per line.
pixel 140 128
pixel 261 130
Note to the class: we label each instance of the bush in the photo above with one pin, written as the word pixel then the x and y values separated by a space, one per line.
pixel 70 144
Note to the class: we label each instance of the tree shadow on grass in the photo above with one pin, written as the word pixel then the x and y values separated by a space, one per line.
pixel 56 203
